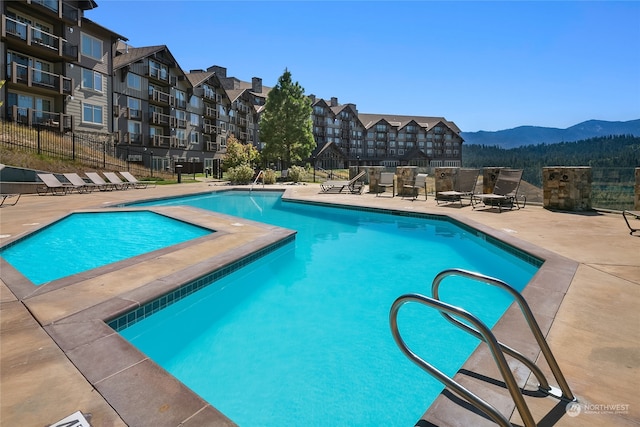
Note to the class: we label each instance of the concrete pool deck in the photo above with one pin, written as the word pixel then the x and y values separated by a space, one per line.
pixel 57 356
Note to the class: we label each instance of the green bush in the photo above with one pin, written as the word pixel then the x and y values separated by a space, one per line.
pixel 269 176
pixel 242 174
pixel 296 173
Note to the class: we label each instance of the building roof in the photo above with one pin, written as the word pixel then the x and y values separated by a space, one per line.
pixel 128 55
pixel 370 120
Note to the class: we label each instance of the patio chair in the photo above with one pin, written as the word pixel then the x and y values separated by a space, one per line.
pixel 116 181
pixel 420 183
pixel 505 191
pixel 52 185
pixel 387 179
pixel 335 187
pixel 79 184
pixel 135 182
pixel 100 183
pixel 635 214
pixel 5 196
pixel 465 186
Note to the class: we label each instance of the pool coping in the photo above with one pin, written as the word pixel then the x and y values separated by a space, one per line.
pixel 132 382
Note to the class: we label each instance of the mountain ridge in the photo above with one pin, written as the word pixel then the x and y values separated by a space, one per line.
pixel 532 135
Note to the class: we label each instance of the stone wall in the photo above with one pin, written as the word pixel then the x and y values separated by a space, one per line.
pixel 489 177
pixel 446 179
pixel 405 175
pixel 567 188
pixel 374 178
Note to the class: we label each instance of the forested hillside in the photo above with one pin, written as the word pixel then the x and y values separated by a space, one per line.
pixel 621 151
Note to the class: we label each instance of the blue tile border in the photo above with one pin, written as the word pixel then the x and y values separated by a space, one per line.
pixel 134 316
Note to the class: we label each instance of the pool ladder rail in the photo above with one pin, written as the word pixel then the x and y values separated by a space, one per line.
pixel 482 332
pixel 260 175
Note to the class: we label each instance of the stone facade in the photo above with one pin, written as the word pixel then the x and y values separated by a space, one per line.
pixel 489 177
pixel 405 175
pixel 446 179
pixel 567 188
pixel 374 178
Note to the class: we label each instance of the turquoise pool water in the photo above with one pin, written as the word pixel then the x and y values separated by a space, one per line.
pixel 84 241
pixel 301 336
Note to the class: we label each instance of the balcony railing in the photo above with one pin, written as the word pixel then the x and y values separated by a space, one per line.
pixel 160 119
pixel 33 77
pixel 36 37
pixel 161 97
pixel 31 117
pixel 211 112
pixel 162 141
pixel 209 128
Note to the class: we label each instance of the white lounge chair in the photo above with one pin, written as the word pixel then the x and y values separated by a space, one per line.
pixel 52 185
pixel 135 182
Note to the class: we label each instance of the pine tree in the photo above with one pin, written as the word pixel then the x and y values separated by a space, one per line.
pixel 285 125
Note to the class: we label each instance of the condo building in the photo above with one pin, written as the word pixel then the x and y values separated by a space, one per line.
pixel 70 74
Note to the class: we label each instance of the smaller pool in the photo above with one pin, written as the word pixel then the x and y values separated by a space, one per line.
pixel 84 241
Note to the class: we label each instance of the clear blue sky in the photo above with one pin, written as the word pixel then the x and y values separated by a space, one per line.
pixel 483 65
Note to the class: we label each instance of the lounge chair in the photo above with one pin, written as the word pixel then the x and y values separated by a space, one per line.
pixel 420 183
pixel 116 181
pixel 635 214
pixel 79 184
pixel 5 196
pixel 52 185
pixel 135 182
pixel 100 183
pixel 340 186
pixel 464 186
pixel 387 180
pixel 505 191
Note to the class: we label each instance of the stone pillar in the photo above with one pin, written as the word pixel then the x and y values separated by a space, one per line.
pixel 567 188
pixel 636 191
pixel 446 179
pixel 405 175
pixel 374 178
pixel 489 177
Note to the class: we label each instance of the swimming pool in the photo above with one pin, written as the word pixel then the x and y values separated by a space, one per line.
pixel 301 337
pixel 88 240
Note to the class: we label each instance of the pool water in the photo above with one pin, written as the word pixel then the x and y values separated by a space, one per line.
pixel 84 241
pixel 302 337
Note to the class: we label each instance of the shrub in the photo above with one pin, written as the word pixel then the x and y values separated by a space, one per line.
pixel 296 173
pixel 269 176
pixel 242 174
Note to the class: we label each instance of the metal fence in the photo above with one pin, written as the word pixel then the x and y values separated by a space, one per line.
pixel 91 151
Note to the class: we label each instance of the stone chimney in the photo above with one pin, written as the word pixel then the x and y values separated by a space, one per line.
pixel 256 84
pixel 221 72
pixel 312 97
pixel 334 101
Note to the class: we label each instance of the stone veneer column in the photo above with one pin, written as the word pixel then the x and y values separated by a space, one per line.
pixel 374 178
pixel 489 177
pixel 636 192
pixel 567 188
pixel 405 175
pixel 446 179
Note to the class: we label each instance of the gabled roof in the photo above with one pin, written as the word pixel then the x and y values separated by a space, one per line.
pixel 326 147
pixel 199 77
pixel 128 55
pixel 370 120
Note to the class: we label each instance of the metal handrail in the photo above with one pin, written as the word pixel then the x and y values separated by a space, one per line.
pixel 260 174
pixel 449 382
pixel 531 322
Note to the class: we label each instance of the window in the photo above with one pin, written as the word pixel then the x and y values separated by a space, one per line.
pixel 381 128
pixel 92 113
pixel 91 80
pixel 134 128
pixel 195 137
pixel 91 47
pixel 195 119
pixel 134 81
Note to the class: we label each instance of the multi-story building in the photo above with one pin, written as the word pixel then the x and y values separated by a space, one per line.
pixel 346 137
pixel 67 72
pixel 58 65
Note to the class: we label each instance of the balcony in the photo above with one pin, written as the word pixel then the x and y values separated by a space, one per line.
pixel 179 123
pixel 132 138
pixel 212 146
pixel 209 129
pixel 160 97
pixel 211 112
pixel 33 77
pixel 242 122
pixel 158 74
pixel 49 119
pixel 162 141
pixel 160 119
pixel 132 114
pixel 49 44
